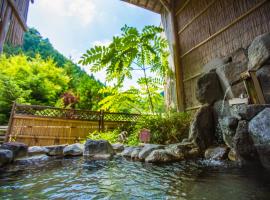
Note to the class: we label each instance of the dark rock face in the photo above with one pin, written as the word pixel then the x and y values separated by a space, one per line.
pixel 259 127
pixel 98 149
pixel 228 128
pixel 263 75
pixel 208 88
pixel 55 150
pixel 6 156
pixel 259 51
pixel 33 160
pixel 250 111
pixel 147 149
pixel 18 149
pixel 216 153
pixel 159 156
pixel 202 130
pixel 244 146
pixel 73 150
pixel 264 155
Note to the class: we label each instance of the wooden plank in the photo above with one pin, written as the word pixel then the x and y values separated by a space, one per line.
pixel 257 87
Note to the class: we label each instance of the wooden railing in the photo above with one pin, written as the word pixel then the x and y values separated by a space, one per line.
pixel 43 125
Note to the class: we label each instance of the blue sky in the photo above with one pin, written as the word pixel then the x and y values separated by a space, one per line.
pixel 73 26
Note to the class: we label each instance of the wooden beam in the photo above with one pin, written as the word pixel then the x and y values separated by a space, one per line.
pixel 166 5
pixel 18 15
pixel 177 62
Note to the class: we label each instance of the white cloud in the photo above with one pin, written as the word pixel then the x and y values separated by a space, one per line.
pixel 82 10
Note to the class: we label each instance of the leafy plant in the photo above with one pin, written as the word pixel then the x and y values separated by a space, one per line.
pixel 145 51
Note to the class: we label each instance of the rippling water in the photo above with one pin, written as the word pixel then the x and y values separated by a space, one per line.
pixel 122 179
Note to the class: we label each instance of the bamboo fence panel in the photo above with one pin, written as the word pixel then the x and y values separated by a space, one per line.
pixel 43 126
pixel 218 28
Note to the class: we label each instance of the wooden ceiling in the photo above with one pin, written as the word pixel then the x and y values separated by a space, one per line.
pixel 152 5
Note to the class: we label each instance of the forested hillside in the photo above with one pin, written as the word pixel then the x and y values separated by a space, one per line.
pixel 36 73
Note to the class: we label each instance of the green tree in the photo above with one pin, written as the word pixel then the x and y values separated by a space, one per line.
pixel 145 51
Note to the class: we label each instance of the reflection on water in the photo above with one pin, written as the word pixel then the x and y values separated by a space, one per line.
pixel 121 179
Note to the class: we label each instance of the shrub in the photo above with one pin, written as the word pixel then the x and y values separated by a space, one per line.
pixel 166 128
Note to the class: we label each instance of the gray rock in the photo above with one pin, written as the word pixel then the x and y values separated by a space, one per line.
pixel 243 145
pixel 232 155
pixel 98 149
pixel 263 75
pixel 135 153
pixel 216 153
pixel 56 150
pixel 202 130
pixel 229 73
pixel 259 51
pixel 73 150
pixel 250 111
pixel 259 127
pixel 6 156
pixel 208 88
pixel 240 56
pixel 37 150
pixel 147 149
pixel 264 155
pixel 128 151
pixel 118 147
pixel 159 156
pixel 214 64
pixel 18 149
pixel 183 151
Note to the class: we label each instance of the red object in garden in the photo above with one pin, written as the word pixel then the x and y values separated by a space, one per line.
pixel 145 135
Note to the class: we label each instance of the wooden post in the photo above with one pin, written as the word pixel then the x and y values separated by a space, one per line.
pixel 4 26
pixel 10 123
pixel 177 62
pixel 101 121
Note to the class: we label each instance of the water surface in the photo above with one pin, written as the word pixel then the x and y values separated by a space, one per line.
pixel 76 178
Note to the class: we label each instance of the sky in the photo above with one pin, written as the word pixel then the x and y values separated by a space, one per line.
pixel 73 26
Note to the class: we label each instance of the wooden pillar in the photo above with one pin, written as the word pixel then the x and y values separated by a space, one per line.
pixel 177 62
pixel 4 26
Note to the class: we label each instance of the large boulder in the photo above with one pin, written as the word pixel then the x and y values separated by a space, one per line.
pixel 135 153
pixel 6 156
pixel 37 150
pixel 159 156
pixel 259 127
pixel 228 127
pixel 98 149
pixel 56 150
pixel 249 111
pixel 208 88
pixel 263 75
pixel 244 146
pixel 73 150
pixel 32 160
pixel 18 149
pixel 202 130
pixel 147 149
pixel 128 151
pixel 259 51
pixel 216 153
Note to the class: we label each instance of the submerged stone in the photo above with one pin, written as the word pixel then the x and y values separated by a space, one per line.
pixel 56 150
pixel 216 153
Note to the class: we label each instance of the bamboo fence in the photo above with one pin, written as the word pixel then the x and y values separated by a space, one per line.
pixel 43 125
